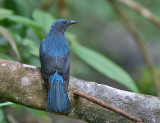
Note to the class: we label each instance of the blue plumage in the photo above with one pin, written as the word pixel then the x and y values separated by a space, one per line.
pixel 57 99
pixel 55 66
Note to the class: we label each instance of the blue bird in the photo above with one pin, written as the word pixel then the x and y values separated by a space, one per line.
pixel 55 66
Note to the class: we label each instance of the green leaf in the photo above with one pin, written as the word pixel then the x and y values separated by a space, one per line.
pixel 5 104
pixel 33 49
pixel 44 19
pixel 26 21
pixel 145 82
pixel 8 36
pixel 4 56
pixel 4 13
pixel 37 113
pixel 2 118
pixel 71 38
pixel 20 7
pixel 105 66
pixel 23 20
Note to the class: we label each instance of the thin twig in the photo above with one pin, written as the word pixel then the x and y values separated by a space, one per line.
pixel 62 10
pixel 47 4
pixel 61 5
pixel 103 104
pixel 140 42
pixel 142 10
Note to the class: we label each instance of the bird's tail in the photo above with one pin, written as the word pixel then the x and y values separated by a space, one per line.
pixel 57 98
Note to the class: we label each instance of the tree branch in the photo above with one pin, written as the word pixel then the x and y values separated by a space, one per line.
pixel 62 10
pixel 23 84
pixel 142 10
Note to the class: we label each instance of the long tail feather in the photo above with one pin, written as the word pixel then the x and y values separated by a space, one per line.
pixel 57 98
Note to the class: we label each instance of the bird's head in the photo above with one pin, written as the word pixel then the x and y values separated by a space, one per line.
pixel 61 25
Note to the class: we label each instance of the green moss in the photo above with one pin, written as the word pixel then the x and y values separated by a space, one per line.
pixel 95 114
pixel 14 96
pixel 21 73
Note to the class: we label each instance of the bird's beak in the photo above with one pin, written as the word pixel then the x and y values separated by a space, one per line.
pixel 73 22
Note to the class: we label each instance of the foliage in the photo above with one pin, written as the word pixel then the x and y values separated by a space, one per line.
pixel 104 66
pixel 5 13
pixel 145 82
pixel 2 118
pixel 7 35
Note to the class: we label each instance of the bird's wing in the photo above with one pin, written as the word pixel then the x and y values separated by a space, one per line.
pixel 66 71
pixel 47 66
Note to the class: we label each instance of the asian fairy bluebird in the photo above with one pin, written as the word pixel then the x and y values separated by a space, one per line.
pixel 55 66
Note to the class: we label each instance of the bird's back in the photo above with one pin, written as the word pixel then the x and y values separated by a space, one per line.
pixel 54 45
pixel 54 50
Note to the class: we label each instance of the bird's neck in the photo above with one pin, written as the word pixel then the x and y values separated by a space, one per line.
pixel 56 32
pixel 55 29
pixel 58 35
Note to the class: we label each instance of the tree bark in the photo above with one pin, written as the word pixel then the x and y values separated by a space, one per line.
pixel 23 84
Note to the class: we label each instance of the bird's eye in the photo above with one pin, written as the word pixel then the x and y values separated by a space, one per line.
pixel 64 22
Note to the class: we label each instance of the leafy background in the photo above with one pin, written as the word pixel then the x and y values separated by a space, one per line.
pixel 102 49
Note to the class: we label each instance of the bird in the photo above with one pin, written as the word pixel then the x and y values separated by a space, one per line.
pixel 55 66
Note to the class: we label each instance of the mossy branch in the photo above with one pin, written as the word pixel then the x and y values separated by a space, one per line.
pixel 23 84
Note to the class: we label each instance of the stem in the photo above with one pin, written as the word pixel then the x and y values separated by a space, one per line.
pixel 61 7
pixel 143 11
pixel 47 4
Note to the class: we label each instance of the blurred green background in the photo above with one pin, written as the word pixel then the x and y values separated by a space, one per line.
pixel 102 49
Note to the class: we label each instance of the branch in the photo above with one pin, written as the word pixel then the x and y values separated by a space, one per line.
pixel 62 10
pixel 141 44
pixel 143 11
pixel 23 84
pixel 47 4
